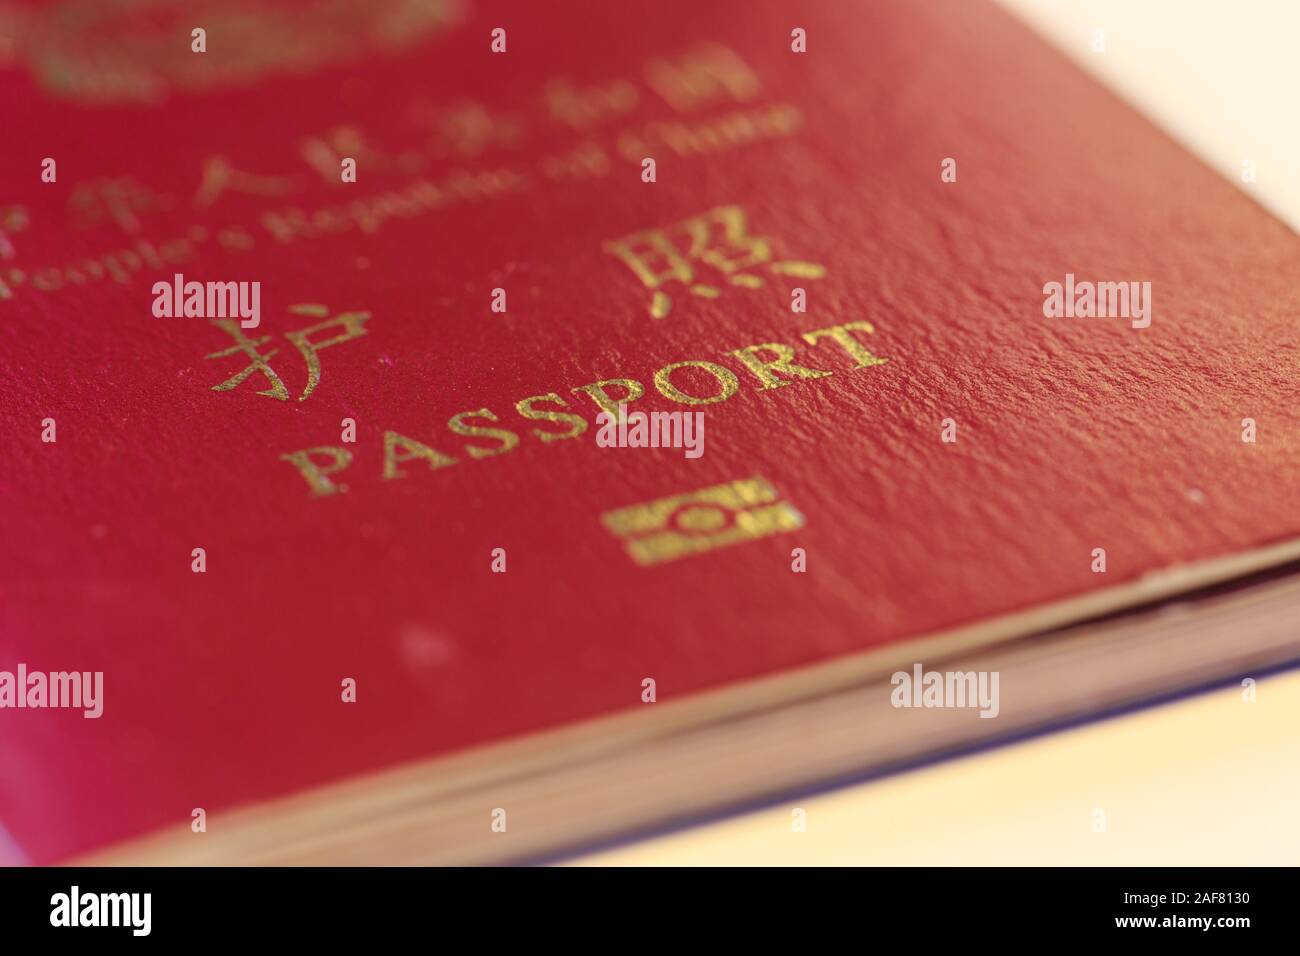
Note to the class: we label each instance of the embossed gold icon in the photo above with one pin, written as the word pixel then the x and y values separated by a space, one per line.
pixel 715 517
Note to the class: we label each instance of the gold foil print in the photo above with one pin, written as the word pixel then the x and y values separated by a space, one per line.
pixel 716 517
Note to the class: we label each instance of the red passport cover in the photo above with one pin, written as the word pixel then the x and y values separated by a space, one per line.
pixel 522 171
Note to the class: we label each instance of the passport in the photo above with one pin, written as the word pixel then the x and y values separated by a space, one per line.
pixel 360 582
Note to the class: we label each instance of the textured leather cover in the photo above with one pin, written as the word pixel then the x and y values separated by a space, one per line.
pixel 522 171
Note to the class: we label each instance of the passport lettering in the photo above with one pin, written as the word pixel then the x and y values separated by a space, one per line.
pixel 766 366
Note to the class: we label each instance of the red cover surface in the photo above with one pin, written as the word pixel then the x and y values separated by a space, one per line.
pixel 522 171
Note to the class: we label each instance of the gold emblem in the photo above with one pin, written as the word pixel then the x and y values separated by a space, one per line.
pixel 715 517
pixel 114 51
